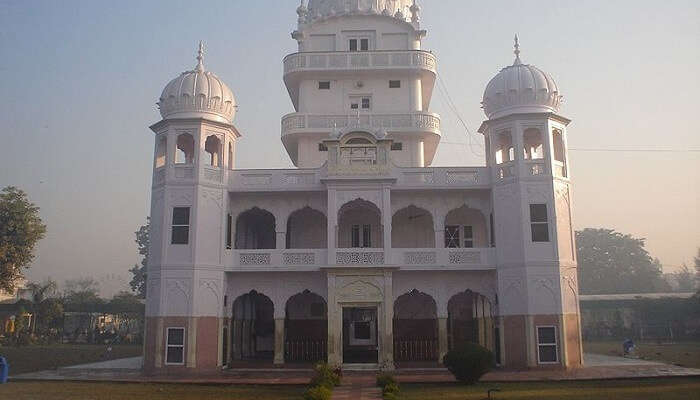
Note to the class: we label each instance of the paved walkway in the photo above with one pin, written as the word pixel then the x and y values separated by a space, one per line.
pixel 357 384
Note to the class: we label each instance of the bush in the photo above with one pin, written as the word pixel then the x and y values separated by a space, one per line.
pixel 384 379
pixel 391 396
pixel 392 388
pixel 469 362
pixel 318 393
pixel 325 376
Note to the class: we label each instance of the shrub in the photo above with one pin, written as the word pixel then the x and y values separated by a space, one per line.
pixel 391 396
pixel 325 376
pixel 392 388
pixel 318 393
pixel 384 379
pixel 469 362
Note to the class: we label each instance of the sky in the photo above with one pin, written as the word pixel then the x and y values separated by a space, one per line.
pixel 80 80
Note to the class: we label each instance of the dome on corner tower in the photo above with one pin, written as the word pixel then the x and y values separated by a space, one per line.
pixel 198 94
pixel 520 88
pixel 329 8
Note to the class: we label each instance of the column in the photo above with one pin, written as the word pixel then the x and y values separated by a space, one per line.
pixel 332 232
pixel 334 324
pixel 387 345
pixel 279 341
pixel 236 340
pixel 439 227
pixel 416 93
pixel 386 221
pixel 442 337
pixel 280 232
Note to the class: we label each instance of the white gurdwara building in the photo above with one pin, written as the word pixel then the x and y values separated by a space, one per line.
pixel 364 254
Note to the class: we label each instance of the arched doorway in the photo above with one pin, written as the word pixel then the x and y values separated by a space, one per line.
pixel 415 328
pixel 469 319
pixel 306 328
pixel 255 229
pixel 252 328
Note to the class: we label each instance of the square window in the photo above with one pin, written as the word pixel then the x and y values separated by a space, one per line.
pixel 397 146
pixel 322 147
pixel 353 44
pixel 174 355
pixel 181 235
pixel 324 85
pixel 176 336
pixel 181 216
pixel 538 213
pixel 540 232
pixel 175 346
pixel 394 84
pixel 365 103
pixel 364 44
pixel 354 106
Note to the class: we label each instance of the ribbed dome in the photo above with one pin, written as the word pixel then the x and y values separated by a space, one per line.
pixel 328 8
pixel 198 94
pixel 520 88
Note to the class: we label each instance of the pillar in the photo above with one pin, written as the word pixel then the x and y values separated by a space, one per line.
pixel 236 340
pixel 279 341
pixel 442 338
pixel 281 240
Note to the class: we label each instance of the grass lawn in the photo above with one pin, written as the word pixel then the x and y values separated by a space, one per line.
pixel 37 358
pixel 130 391
pixel 686 354
pixel 647 389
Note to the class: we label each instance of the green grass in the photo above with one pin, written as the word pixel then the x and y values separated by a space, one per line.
pixel 647 389
pixel 686 354
pixel 130 391
pixel 37 358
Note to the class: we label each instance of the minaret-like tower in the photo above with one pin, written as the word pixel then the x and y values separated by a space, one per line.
pixel 194 152
pixel 360 66
pixel 536 255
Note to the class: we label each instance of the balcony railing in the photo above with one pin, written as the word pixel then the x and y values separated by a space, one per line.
pixel 419 121
pixel 410 258
pixel 366 60
pixel 443 177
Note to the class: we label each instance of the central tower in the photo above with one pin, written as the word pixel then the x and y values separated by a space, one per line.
pixel 360 66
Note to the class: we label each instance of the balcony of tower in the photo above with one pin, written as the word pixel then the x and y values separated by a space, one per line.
pixel 359 65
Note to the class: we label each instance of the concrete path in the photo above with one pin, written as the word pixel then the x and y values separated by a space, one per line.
pixel 360 386
pixel 120 363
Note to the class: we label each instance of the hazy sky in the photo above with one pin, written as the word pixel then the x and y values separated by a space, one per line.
pixel 80 80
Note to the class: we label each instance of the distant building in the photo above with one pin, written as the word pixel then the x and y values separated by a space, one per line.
pixel 364 254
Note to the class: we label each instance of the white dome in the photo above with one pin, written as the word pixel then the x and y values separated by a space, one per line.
pixel 329 8
pixel 198 94
pixel 520 88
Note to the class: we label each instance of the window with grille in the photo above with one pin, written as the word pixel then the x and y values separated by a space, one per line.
pixel 322 147
pixel 181 225
pixel 361 236
pixel 364 103
pixel 538 223
pixel 547 344
pixel 175 346
pixel 324 85
pixel 394 84
pixel 468 236
pixel 397 146
pixel 452 236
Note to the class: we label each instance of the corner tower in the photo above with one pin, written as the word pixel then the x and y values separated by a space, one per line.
pixel 360 66
pixel 527 155
pixel 194 151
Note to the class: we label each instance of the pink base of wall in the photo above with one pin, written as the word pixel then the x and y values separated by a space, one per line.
pixel 516 346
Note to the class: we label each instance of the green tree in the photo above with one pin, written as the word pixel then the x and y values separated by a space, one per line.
pixel 21 229
pixel 685 279
pixel 48 309
pixel 138 281
pixel 81 296
pixel 612 262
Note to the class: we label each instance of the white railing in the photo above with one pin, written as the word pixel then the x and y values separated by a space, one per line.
pixel 366 60
pixel 444 257
pixel 420 121
pixel 359 256
pixel 274 179
pixel 443 177
pixel 278 258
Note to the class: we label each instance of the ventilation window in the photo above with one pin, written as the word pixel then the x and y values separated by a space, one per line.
pixel 547 345
pixel 181 226
pixel 175 346
pixel 394 84
pixel 538 223
pixel 324 85
pixel 322 147
pixel 397 146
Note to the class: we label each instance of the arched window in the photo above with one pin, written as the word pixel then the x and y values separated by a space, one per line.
pixel 184 153
pixel 230 155
pixel 559 153
pixel 504 148
pixel 358 150
pixel 533 148
pixel 161 149
pixel 212 146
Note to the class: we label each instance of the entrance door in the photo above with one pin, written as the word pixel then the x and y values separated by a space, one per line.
pixel 360 335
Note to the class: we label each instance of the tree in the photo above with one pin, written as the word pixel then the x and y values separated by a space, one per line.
pixel 138 282
pixel 612 262
pixel 48 310
pixel 81 296
pixel 685 279
pixel 21 229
